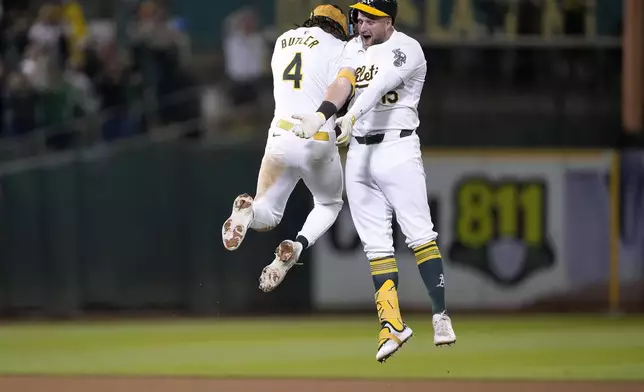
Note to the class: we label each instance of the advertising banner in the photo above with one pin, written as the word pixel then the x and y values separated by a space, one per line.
pixel 508 232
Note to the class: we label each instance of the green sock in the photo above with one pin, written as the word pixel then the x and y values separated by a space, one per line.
pixel 382 270
pixel 430 266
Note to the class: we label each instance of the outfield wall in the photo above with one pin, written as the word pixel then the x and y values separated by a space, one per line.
pixel 138 229
pixel 516 229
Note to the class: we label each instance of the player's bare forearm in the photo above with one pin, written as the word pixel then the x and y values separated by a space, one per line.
pixel 339 92
pixel 381 84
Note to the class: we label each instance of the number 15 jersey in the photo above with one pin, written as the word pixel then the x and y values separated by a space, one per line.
pixel 401 60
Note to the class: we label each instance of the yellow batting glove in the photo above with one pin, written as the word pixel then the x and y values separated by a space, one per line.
pixel 345 123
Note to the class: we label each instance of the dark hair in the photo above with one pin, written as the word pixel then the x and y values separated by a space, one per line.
pixel 330 26
pixel 327 25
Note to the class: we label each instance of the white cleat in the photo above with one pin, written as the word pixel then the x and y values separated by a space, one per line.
pixel 394 343
pixel 234 229
pixel 443 331
pixel 286 256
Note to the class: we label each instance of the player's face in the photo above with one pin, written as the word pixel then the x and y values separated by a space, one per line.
pixel 373 30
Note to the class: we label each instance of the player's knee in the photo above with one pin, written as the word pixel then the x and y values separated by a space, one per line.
pixel 273 220
pixel 336 206
pixel 269 222
pixel 265 218
pixel 333 206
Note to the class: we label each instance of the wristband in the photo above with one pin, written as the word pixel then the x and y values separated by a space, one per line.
pixel 327 109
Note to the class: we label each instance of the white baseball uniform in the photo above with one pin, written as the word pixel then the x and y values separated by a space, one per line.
pixel 384 167
pixel 305 62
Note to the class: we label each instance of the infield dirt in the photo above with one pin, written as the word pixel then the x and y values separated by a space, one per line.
pixel 181 384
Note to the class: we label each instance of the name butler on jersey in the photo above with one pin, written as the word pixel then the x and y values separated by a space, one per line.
pixel 297 56
pixel 309 41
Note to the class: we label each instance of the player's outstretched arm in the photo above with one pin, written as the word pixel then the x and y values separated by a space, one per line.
pixel 379 86
pixel 382 83
pixel 335 97
pixel 406 62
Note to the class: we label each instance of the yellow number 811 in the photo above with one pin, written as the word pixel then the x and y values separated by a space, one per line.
pixel 508 209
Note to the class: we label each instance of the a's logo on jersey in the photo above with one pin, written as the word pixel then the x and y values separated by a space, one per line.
pixel 399 57
pixel 364 75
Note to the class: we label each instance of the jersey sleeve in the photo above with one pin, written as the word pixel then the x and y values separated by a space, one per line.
pixel 385 80
pixel 405 60
pixel 396 66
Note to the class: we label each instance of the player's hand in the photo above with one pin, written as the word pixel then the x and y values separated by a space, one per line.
pixel 346 128
pixel 309 124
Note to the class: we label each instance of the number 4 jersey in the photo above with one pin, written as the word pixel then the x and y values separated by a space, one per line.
pixel 401 58
pixel 305 61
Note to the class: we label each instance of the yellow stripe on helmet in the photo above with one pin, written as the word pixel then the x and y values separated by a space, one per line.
pixel 368 9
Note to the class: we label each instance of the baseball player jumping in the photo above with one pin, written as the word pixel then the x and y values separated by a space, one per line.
pixel 311 74
pixel 384 167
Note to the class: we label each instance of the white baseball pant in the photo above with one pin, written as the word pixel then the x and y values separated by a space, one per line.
pixel 287 159
pixel 385 178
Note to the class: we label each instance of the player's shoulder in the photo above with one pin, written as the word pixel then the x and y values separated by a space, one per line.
pixel 297 30
pixel 354 44
pixel 405 41
pixel 334 41
pixel 280 38
pixel 287 33
pixel 407 50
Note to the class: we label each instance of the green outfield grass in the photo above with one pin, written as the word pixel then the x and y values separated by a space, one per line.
pixel 589 347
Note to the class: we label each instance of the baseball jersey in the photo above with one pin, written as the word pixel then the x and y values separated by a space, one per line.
pixel 305 61
pixel 402 62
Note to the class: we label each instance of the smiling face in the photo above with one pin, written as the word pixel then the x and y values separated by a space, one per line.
pixel 374 30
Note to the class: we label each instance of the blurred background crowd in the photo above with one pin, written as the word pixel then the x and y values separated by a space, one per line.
pixel 62 75
pixel 75 72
